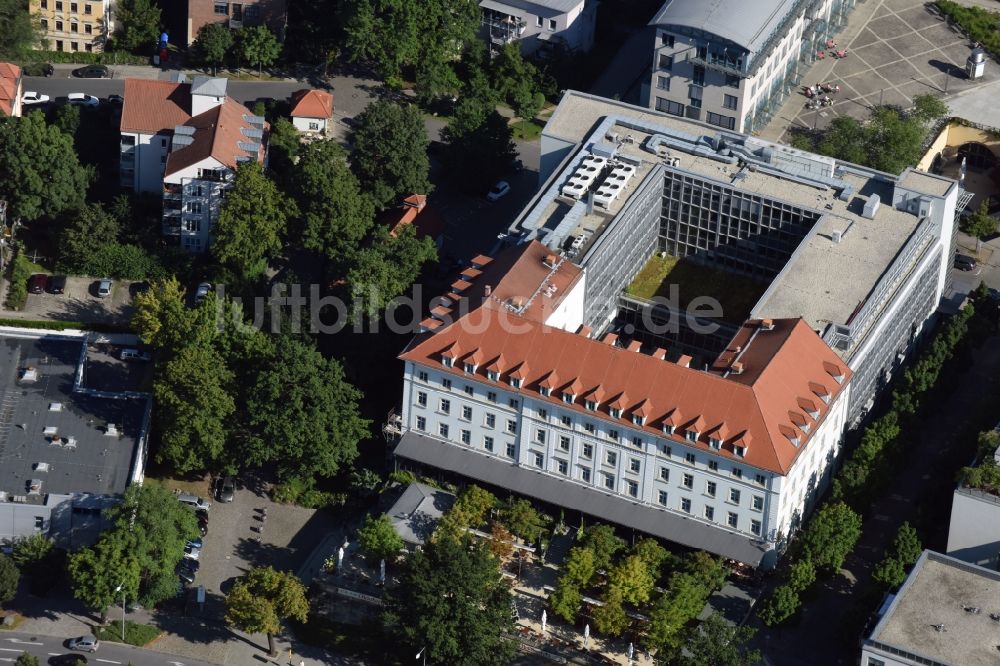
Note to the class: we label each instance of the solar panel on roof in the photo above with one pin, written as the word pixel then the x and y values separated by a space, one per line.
pixel 248 147
pixel 184 129
pixel 252 132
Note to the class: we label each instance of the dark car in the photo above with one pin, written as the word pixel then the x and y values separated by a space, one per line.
pixel 227 490
pixel 38 283
pixel 190 565
pixel 185 575
pixel 39 69
pixel 92 72
pixel 964 262
pixel 57 284
pixel 67 660
pixel 116 100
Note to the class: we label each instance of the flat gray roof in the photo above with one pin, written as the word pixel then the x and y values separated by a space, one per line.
pixel 417 511
pixel 592 501
pixel 747 24
pixel 937 592
pixel 552 6
pixel 98 463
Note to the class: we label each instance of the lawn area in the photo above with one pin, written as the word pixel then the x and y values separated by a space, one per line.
pixel 199 487
pixel 736 293
pixel 135 634
pixel 527 130
pixel 365 639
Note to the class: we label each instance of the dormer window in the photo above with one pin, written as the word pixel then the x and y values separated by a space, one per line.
pixel 638 420
pixel 544 390
pixel 569 397
pixel 691 435
pixel 715 443
pixel 615 413
pixel 740 451
pixel 470 368
pixel 447 361
pixel 668 429
pixel 515 382
pixel 493 375
pixel 590 405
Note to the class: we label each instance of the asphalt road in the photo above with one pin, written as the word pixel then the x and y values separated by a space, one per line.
pixel 241 91
pixel 47 647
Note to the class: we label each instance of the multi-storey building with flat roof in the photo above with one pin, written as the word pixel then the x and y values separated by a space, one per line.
pixel 185 141
pixel 74 25
pixel 545 371
pixel 732 63
pixel 539 25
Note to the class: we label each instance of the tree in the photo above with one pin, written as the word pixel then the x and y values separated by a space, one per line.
pixel 335 214
pixel 515 80
pixel 10 576
pixel 565 600
pixel 303 413
pixel 213 43
pixel 67 119
pixel 683 601
pixel 831 534
pixel 390 152
pixel 83 234
pixel 259 46
pixel 889 572
pixel 611 618
pixel 605 543
pixel 163 319
pixel 262 599
pixel 580 566
pixel 928 108
pixel 781 605
pixel 501 542
pixel 19 30
pixel 979 224
pixel 378 540
pixel 29 551
pixel 387 269
pixel 26 659
pixel 845 140
pixel 284 144
pixel 652 554
pixel 452 601
pixel 473 506
pixel 41 174
pixel 522 519
pixel 801 575
pixel 907 546
pixel 251 222
pixel 194 400
pixel 100 573
pixel 138 24
pixel 480 144
pixel 716 642
pixel 709 571
pixel 631 580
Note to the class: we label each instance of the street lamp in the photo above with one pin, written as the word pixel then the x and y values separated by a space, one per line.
pixel 422 653
pixel 121 588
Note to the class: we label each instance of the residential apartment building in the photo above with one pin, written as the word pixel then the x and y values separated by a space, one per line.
pixel 539 25
pixel 77 25
pixel 185 141
pixel 945 614
pixel 974 528
pixel 539 374
pixel 732 63
pixel 272 13
pixel 11 89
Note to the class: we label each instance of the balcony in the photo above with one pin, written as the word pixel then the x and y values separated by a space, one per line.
pixel 235 23
pixel 173 192
pixel 726 66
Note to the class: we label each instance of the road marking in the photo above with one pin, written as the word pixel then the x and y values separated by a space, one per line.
pixel 20 642
pixel 175 663
pixel 11 650
pixel 108 661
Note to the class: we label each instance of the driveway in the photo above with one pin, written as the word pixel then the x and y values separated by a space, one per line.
pixel 80 303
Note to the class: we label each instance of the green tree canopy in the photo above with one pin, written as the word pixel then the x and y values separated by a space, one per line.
pixel 304 414
pixel 336 215
pixel 781 605
pixel 98 575
pixel 907 546
pixel 28 551
pixel 388 268
pixel 516 81
pixel 652 554
pixel 283 145
pixel 683 601
pixel 10 576
pixel 831 535
pixel 259 46
pixel 473 505
pixel 452 600
pixel 390 152
pixel 378 540
pixel 194 400
pixel 631 580
pixel 716 642
pixel 41 174
pixel 611 618
pixel 522 519
pixel 801 575
pixel 26 659
pixel 262 599
pixel 980 224
pixel 251 222
pixel 213 42
pixel 19 31
pixel 889 572
pixel 163 319
pixel 138 23
pixel 604 542
pixel 480 145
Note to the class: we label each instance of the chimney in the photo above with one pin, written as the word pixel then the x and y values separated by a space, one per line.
pixel 487 290
pixel 550 260
pixel 767 324
pixel 736 368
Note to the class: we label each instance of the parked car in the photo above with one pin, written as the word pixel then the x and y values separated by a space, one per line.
pixel 38 283
pixel 184 574
pixel 499 191
pixel 116 100
pixel 39 69
pixel 32 97
pixel 57 284
pixel 192 553
pixel 190 564
pixel 134 355
pixel 83 99
pixel 227 490
pixel 67 660
pixel 194 543
pixel 92 72
pixel 964 262
pixel 193 501
pixel 88 643
pixel 202 291
pixel 104 287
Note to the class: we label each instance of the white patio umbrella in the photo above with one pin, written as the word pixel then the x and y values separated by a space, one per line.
pixel 545 618
pixel 586 636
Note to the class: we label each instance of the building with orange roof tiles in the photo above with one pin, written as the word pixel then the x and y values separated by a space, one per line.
pixel 11 90
pixel 546 372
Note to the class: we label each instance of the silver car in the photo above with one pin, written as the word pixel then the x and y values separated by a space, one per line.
pixel 104 287
pixel 85 643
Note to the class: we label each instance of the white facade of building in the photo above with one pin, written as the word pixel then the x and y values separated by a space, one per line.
pixel 191 201
pixel 142 159
pixel 536 24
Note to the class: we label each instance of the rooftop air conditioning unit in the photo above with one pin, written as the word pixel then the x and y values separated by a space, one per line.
pixel 835 236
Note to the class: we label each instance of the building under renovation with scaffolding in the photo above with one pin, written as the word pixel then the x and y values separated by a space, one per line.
pixel 732 63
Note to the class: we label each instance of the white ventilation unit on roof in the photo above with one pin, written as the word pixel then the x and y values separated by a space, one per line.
pixel 29 375
pixel 55 407
pixel 50 431
pixel 111 430
pixel 871 207
pixel 40 467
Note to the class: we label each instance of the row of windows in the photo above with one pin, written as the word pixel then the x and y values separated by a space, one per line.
pixel 73 46
pixel 88 29
pixel 73 7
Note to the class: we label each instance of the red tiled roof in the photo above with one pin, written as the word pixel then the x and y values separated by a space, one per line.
pixel 155 106
pixel 414 210
pixel 781 365
pixel 311 104
pixel 9 76
pixel 218 133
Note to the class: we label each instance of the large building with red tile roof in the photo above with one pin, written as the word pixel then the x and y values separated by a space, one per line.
pixel 539 374
pixel 11 90
pixel 186 140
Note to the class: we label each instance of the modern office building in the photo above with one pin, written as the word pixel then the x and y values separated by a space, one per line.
pixel 74 26
pixel 544 373
pixel 185 141
pixel 945 614
pixel 731 63
pixel 539 25
pixel 68 450
pixel 974 528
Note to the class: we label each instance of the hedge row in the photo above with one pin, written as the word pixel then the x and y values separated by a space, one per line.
pixel 84 58
pixel 65 325
pixel 17 292
pixel 978 23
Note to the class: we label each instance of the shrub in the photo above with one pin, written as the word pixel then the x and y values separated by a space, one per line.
pixel 135 634
pixel 781 605
pixel 978 23
pixel 17 292
pixel 82 58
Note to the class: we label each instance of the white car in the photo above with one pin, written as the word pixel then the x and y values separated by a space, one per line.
pixel 34 98
pixel 83 99
pixel 191 553
pixel 85 643
pixel 499 191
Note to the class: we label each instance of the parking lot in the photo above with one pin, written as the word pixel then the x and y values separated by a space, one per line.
pixel 80 302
